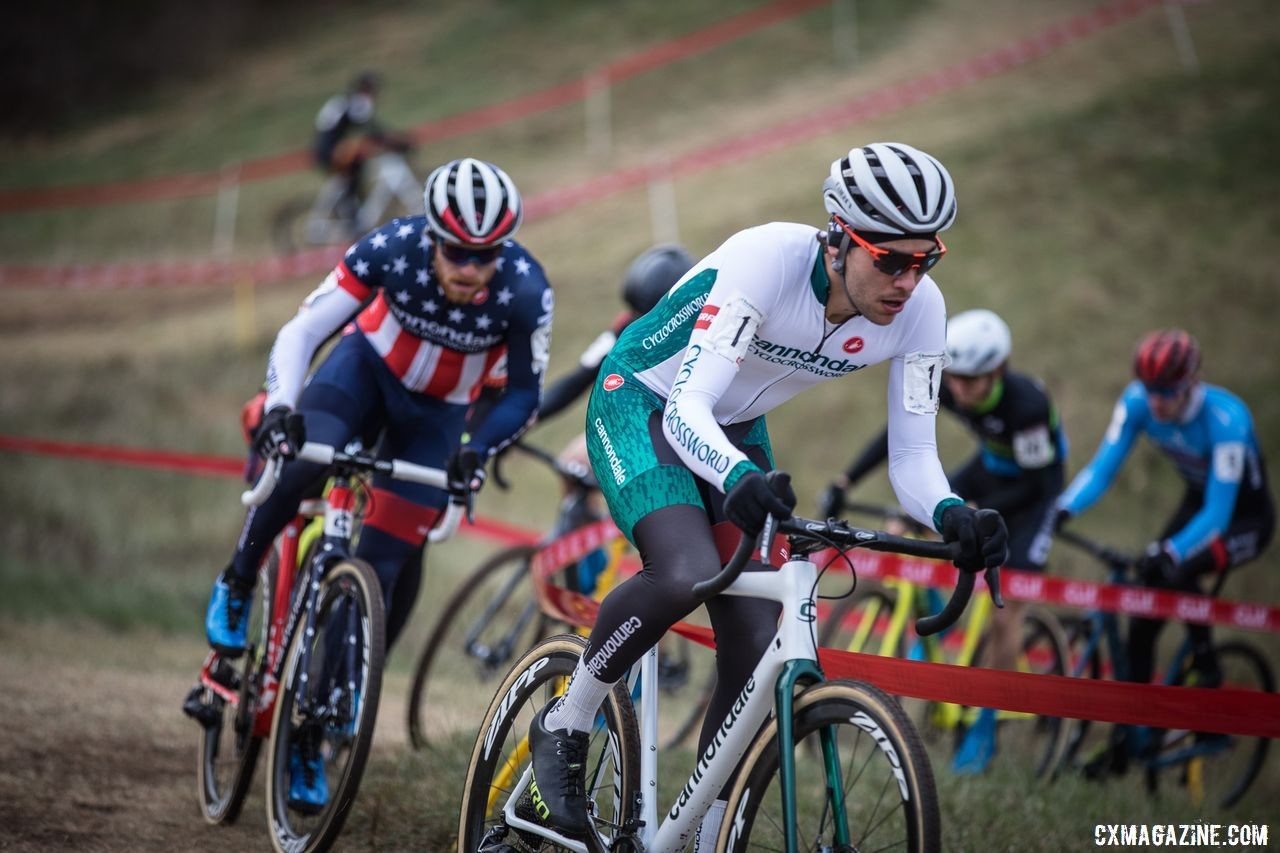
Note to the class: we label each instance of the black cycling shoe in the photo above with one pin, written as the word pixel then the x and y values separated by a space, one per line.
pixel 556 794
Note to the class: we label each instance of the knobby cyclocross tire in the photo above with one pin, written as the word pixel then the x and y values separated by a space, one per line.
pixel 355 583
pixel 882 761
pixel 1227 775
pixel 222 787
pixel 289 223
pixel 436 689
pixel 500 756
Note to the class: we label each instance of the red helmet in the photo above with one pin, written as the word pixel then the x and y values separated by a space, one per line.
pixel 1167 358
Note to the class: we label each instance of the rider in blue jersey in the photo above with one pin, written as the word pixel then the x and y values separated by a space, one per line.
pixel 436 301
pixel 1226 517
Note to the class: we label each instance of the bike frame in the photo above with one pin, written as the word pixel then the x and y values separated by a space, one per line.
pixel 790 660
pixel 286 608
pixel 1105 627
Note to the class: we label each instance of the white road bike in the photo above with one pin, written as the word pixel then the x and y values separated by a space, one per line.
pixel 862 781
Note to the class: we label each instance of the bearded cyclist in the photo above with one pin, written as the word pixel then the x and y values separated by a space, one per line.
pixel 446 295
pixel 1017 471
pixel 677 437
pixel 1226 517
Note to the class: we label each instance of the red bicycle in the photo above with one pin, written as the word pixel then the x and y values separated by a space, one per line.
pixel 312 675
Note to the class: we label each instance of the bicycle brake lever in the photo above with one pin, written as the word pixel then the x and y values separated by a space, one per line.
pixel 992 577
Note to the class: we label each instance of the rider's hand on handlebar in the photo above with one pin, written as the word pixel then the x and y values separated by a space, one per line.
pixel 752 499
pixel 1061 516
pixel 281 433
pixel 1156 566
pixel 465 470
pixel 981 534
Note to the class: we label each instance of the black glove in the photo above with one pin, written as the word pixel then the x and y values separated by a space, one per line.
pixel 465 470
pixel 1156 567
pixel 831 502
pixel 280 433
pixel 1061 516
pixel 982 536
pixel 752 500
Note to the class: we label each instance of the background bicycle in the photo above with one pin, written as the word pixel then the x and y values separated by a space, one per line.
pixel 332 216
pixel 311 677
pixel 493 617
pixel 877 618
pixel 1214 769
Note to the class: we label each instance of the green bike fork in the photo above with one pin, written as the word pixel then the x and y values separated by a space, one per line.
pixel 805 672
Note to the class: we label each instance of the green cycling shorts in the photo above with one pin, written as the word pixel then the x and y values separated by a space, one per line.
pixel 639 472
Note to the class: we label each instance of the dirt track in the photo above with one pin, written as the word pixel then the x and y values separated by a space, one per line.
pixel 95 753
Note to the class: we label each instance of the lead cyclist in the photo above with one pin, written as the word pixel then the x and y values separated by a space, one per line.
pixel 677 437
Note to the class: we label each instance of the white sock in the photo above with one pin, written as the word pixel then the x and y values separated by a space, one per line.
pixel 576 710
pixel 706 839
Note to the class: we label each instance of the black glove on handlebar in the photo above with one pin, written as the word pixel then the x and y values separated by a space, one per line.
pixel 982 536
pixel 1156 567
pixel 465 470
pixel 1061 516
pixel 752 500
pixel 831 503
pixel 281 432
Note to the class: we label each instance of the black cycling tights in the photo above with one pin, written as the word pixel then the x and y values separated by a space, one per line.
pixel 678 551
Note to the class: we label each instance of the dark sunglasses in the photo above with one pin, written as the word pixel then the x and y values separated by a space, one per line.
pixel 1166 392
pixel 463 255
pixel 894 263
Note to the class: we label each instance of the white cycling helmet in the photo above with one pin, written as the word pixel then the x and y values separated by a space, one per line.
pixel 978 342
pixel 890 188
pixel 472 203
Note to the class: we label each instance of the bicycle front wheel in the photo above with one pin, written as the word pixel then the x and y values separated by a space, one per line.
pixel 886 783
pixel 325 711
pixel 500 758
pixel 491 618
pixel 1218 769
pixel 228 746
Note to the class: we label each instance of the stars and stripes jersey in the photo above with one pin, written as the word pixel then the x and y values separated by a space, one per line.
pixel 1213 446
pixel 433 346
pixel 745 330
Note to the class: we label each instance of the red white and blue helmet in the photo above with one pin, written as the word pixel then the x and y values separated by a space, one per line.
pixel 472 203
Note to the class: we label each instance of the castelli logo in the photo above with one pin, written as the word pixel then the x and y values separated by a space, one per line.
pixel 613 382
pixel 853 345
pixel 482 296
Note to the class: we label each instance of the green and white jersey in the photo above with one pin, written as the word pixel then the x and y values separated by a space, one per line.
pixel 745 330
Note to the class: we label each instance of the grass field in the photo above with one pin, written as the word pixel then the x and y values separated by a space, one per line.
pixel 1103 190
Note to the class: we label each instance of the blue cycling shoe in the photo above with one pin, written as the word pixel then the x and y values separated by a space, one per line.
pixel 226 623
pixel 308 787
pixel 978 747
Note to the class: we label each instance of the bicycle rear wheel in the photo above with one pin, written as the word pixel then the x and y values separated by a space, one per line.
pixel 228 750
pixel 492 618
pixel 1218 769
pixel 325 712
pixel 889 797
pixel 501 755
